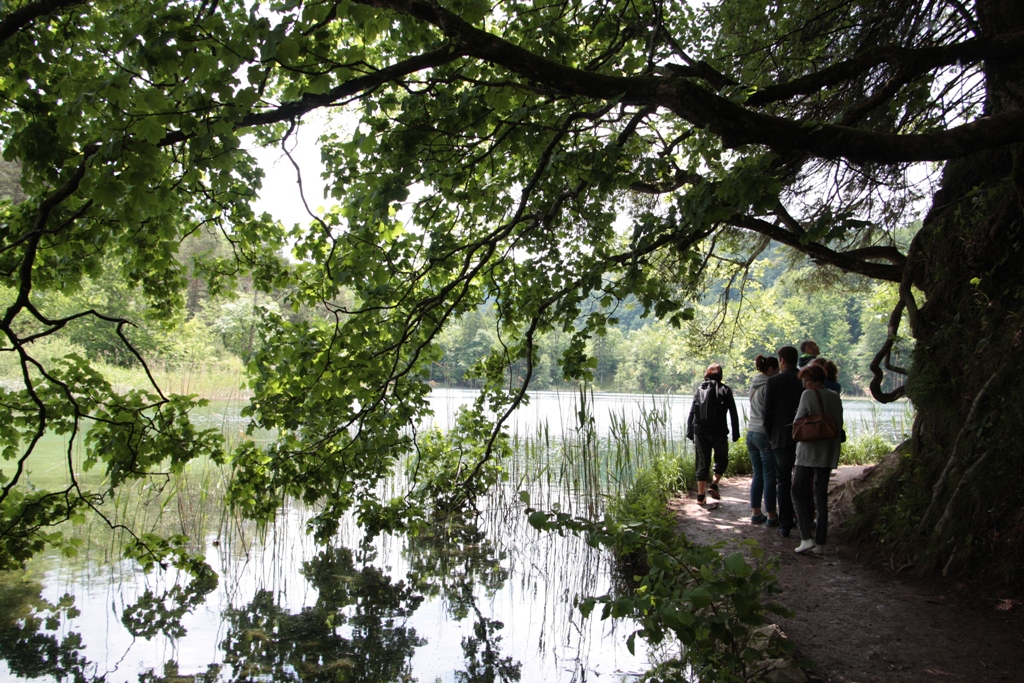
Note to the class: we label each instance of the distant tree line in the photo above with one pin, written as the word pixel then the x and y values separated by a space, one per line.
pixel 779 302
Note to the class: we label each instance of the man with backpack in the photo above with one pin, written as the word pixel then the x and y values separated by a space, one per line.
pixel 707 427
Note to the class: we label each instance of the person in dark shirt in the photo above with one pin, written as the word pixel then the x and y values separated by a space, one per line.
pixel 781 399
pixel 707 427
pixel 808 352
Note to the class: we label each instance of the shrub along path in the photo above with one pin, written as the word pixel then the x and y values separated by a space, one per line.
pixel 864 623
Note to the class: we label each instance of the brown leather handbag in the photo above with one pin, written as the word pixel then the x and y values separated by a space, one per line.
pixel 815 427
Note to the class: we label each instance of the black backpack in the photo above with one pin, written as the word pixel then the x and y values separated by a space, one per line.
pixel 708 409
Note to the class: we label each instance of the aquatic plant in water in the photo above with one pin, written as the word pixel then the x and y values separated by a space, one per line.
pixel 714 604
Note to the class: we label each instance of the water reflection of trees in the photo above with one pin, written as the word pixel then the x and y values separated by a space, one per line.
pixel 357 630
pixel 162 613
pixel 354 632
pixel 453 559
pixel 28 642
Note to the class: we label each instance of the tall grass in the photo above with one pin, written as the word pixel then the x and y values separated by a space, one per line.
pixel 193 503
pixel 865 449
pixel 574 459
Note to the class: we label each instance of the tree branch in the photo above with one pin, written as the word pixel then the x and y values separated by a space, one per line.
pixel 734 124
pixel 884 353
pixel 309 102
pixel 853 261
pixel 911 62
pixel 23 16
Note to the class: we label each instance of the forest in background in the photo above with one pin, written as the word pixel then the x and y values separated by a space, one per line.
pixel 784 300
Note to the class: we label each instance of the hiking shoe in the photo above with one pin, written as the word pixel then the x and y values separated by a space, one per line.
pixel 758 519
pixel 713 491
pixel 806 545
pixel 818 550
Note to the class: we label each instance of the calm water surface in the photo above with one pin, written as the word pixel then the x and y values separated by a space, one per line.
pixel 559 410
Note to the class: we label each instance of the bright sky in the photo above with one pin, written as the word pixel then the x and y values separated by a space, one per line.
pixel 280 196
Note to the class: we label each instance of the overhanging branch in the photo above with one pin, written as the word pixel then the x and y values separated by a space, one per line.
pixel 23 16
pixel 350 88
pixel 885 353
pixel 855 261
pixel 733 123
pixel 909 61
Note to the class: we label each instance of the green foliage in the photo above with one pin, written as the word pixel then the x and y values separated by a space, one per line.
pixel 709 602
pixel 236 322
pixel 549 165
pixel 865 449
pixel 453 469
pixel 651 489
pixel 739 459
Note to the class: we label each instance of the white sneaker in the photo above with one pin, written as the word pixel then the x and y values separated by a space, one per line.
pixel 805 545
pixel 818 550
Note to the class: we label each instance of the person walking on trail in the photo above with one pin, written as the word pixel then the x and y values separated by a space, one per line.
pixel 708 428
pixel 808 352
pixel 781 400
pixel 762 460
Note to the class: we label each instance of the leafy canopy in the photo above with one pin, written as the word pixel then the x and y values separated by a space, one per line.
pixel 515 137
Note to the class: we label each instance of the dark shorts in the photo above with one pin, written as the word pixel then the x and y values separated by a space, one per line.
pixel 707 448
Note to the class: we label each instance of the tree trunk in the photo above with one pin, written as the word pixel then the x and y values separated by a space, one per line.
pixel 959 495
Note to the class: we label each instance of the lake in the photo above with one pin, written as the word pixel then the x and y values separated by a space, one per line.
pixel 490 601
pixel 558 410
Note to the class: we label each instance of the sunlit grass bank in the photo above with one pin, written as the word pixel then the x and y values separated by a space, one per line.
pixel 215 378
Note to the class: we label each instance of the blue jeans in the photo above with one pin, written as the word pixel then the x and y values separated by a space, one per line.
pixel 763 461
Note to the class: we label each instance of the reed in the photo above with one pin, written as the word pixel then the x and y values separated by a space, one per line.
pixel 573 465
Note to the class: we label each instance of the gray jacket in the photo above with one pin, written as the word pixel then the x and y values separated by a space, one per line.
pixel 755 419
pixel 824 453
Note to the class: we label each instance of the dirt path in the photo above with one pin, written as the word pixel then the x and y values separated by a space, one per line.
pixel 862 625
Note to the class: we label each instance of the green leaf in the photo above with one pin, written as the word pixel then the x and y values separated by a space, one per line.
pixel 539 520
pixel 737 565
pixel 700 597
pixel 150 130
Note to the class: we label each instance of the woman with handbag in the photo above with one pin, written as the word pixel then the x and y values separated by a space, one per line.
pixel 817 429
